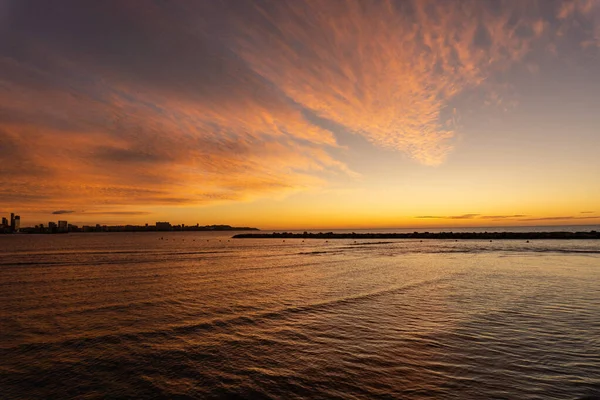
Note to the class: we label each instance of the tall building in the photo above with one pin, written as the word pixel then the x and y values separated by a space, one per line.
pixel 63 226
pixel 163 226
pixel 17 226
pixel 12 222
pixel 4 222
pixel 52 227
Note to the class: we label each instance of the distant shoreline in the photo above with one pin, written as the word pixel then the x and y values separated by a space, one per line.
pixel 132 229
pixel 423 235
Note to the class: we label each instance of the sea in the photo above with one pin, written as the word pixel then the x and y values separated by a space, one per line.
pixel 200 315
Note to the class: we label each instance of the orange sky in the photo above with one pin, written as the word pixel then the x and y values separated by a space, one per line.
pixel 301 114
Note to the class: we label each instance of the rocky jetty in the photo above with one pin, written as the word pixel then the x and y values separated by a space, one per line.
pixel 424 235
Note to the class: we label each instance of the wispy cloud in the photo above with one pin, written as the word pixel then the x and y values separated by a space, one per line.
pixel 578 14
pixel 503 216
pixel 58 212
pixel 116 212
pixel 202 102
pixel 126 133
pixel 568 217
pixel 473 216
pixel 386 70
pixel 463 216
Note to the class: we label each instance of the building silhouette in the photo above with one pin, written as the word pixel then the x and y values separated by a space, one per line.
pixel 63 226
pixel 14 226
pixel 10 226
pixel 52 227
pixel 163 226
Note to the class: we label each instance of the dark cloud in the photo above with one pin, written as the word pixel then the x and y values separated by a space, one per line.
pixel 473 216
pixel 570 217
pixel 63 212
pixel 9 148
pixel 502 216
pixel 482 37
pixel 463 216
pixel 112 154
pixel 16 197
pixel 168 200
pixel 117 213
pixel 137 103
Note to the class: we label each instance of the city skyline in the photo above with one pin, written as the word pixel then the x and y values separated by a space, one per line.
pixel 301 115
pixel 63 226
pixel 13 225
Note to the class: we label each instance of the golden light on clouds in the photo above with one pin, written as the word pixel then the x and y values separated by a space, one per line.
pixel 118 108
pixel 385 70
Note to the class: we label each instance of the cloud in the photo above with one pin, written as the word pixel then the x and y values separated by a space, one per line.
pixel 193 103
pixel 116 212
pixel 127 134
pixel 503 216
pixel 385 70
pixel 569 217
pixel 586 212
pixel 473 216
pixel 105 212
pixel 579 16
pixel 463 216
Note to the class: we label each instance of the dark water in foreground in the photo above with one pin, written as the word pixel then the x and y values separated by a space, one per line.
pixel 129 315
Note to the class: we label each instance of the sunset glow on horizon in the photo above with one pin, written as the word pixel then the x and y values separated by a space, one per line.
pixel 301 114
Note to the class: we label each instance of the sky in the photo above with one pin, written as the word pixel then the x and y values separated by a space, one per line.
pixel 301 114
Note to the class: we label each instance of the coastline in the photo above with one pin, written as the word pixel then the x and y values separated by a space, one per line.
pixel 423 235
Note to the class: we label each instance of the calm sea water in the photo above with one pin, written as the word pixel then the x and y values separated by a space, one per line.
pixel 201 315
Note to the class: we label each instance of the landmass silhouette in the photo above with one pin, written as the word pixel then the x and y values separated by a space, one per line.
pixel 423 235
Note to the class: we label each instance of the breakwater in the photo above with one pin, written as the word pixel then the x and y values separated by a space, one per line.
pixel 423 235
